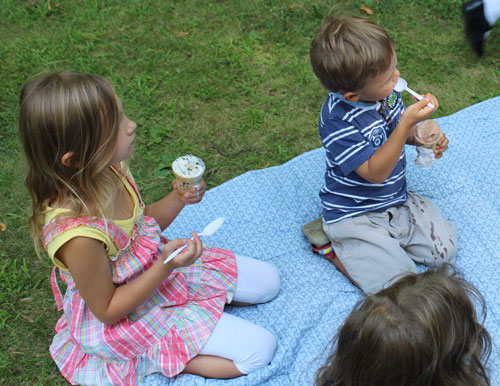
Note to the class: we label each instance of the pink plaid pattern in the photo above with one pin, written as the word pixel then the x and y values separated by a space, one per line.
pixel 162 334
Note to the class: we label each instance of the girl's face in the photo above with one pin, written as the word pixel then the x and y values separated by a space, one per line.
pixel 126 137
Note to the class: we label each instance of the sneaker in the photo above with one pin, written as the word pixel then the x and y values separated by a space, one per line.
pixel 476 27
pixel 320 243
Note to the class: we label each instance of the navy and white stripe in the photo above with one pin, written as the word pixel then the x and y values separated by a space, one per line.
pixel 351 133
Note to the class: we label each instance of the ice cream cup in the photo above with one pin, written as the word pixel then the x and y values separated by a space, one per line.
pixel 428 134
pixel 188 171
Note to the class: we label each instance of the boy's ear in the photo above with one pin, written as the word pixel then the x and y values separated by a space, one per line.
pixel 351 96
pixel 67 160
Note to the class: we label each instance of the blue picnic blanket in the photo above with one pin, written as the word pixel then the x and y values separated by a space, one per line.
pixel 265 209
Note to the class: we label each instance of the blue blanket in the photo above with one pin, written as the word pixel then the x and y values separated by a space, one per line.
pixel 265 209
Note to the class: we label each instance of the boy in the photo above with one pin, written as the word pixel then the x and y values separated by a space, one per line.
pixel 378 229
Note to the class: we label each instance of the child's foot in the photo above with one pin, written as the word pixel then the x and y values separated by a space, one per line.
pixel 476 26
pixel 318 239
pixel 314 232
pixel 325 250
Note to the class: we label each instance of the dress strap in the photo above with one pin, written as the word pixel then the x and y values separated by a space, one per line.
pixel 125 173
pixel 108 229
pixel 56 290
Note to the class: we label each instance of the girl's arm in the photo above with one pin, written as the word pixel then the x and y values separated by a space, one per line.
pixel 88 264
pixel 167 209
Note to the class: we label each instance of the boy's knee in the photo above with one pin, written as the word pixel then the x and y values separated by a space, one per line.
pixel 450 253
pixel 448 245
pixel 453 246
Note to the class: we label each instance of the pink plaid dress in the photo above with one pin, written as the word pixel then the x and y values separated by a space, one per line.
pixel 162 334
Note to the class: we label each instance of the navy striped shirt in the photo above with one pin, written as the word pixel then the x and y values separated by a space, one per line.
pixel 351 133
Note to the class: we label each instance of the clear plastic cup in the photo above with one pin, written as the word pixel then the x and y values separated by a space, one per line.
pixel 428 135
pixel 188 171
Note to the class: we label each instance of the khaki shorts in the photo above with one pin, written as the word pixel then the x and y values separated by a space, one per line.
pixel 377 248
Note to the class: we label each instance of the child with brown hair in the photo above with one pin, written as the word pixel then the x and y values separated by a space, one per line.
pixel 377 227
pixel 420 331
pixel 128 314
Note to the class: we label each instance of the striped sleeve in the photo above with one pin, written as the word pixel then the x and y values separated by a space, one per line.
pixel 346 147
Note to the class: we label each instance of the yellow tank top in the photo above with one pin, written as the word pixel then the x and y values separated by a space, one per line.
pixel 86 231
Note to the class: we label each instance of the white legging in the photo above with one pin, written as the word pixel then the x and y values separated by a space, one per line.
pixel 249 346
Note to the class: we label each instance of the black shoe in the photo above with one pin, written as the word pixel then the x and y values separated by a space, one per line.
pixel 476 25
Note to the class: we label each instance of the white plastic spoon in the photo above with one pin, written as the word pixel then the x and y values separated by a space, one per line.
pixel 210 229
pixel 401 86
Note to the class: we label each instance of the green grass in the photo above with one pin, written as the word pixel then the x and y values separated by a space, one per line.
pixel 229 81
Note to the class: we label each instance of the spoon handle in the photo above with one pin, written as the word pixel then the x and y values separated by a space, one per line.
pixel 418 96
pixel 176 252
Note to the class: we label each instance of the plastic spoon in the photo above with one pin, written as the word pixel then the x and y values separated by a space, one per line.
pixel 210 229
pixel 401 86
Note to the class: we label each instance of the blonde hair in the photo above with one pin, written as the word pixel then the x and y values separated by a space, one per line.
pixel 420 331
pixel 348 51
pixel 74 114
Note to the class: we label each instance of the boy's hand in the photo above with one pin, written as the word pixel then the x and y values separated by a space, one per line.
pixel 441 147
pixel 420 111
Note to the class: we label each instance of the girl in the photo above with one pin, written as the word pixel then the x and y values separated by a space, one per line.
pixel 421 331
pixel 126 314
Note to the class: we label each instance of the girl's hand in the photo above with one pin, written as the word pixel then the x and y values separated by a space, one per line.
pixel 441 147
pixel 185 258
pixel 195 194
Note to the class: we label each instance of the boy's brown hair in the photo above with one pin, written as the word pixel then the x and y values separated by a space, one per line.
pixel 421 331
pixel 348 51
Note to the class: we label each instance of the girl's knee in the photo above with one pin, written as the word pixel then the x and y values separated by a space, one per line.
pixel 259 354
pixel 273 283
pixel 248 345
pixel 258 281
pixel 268 347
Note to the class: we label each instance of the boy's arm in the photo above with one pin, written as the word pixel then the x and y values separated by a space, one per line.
pixel 381 164
pixel 441 147
pixel 411 137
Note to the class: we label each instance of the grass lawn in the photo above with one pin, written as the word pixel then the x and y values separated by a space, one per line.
pixel 227 80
